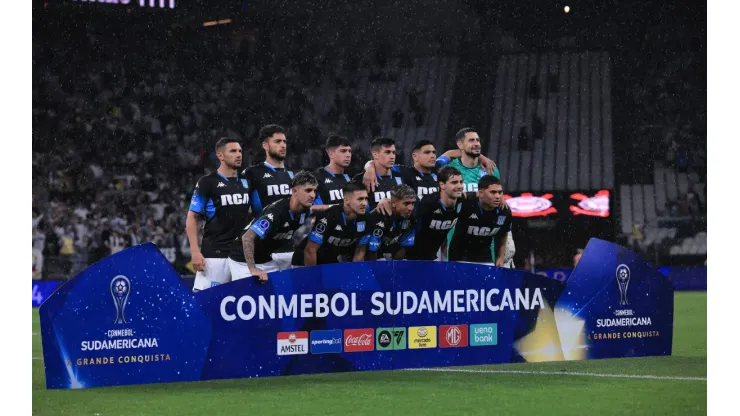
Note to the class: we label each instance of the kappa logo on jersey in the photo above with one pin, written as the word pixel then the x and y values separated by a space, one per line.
pixel 473 216
pixel 221 185
pixel 235 199
pixel 270 217
pixel 482 231
pixel 273 190
pixel 336 194
pixel 327 180
pixel 267 175
pixel 453 336
pixel 442 225
pixel 292 343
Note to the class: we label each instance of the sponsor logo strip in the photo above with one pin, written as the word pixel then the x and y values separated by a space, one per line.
pixel 390 339
pixel 326 342
pixel 453 336
pixel 358 340
pixel 483 334
pixel 422 337
pixel 292 343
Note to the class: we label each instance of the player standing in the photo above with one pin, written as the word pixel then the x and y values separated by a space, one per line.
pixel 335 231
pixel 257 253
pixel 469 165
pixel 422 176
pixel 387 231
pixel 383 150
pixel 436 215
pixel 482 219
pixel 332 177
pixel 222 199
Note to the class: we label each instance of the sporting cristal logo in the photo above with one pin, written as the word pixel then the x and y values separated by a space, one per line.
pixel 120 287
pixel 623 279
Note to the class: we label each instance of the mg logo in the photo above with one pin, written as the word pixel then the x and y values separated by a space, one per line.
pixel 235 199
pixel 283 189
pixel 453 336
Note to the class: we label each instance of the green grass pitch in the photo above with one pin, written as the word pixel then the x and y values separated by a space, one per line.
pixel 673 385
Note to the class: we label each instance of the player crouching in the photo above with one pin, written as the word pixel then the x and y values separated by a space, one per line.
pixel 268 232
pixel 390 234
pixel 482 220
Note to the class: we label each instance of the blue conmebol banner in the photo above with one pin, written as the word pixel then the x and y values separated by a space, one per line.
pixel 41 290
pixel 129 320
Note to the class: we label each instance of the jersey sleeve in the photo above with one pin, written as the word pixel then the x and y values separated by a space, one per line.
pixel 442 161
pixel 319 229
pixel 263 225
pixel 407 240
pixel 374 238
pixel 254 197
pixel 200 197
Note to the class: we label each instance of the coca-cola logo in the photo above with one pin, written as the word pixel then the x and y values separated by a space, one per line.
pixel 356 340
pixel 361 340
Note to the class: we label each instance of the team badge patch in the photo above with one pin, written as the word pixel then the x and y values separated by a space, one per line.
pixel 501 220
pixel 361 226
pixel 245 184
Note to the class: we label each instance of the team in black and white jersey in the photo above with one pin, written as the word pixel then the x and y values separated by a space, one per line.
pixel 253 218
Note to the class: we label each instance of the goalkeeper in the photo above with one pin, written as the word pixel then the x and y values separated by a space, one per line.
pixel 468 164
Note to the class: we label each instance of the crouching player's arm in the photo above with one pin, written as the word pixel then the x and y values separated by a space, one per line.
pixel 368 247
pixel 315 239
pixel 501 248
pixel 405 241
pixel 248 246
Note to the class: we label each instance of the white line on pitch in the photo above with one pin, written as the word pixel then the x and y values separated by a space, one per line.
pixel 559 373
pixel 35 333
pixel 38 358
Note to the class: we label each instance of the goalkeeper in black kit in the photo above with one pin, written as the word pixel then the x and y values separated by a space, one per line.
pixel 482 219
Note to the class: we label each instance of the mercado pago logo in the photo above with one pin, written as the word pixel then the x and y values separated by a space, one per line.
pixel 321 305
pixel 625 322
pixel 121 345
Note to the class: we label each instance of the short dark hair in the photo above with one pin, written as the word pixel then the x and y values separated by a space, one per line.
pixel 402 191
pixel 446 173
pixel 379 142
pixel 487 181
pixel 304 177
pixel 335 141
pixel 462 132
pixel 268 131
pixel 351 187
pixel 221 143
pixel 421 143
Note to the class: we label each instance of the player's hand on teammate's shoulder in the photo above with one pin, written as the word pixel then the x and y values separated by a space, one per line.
pixel 384 207
pixel 487 164
pixel 369 179
pixel 198 261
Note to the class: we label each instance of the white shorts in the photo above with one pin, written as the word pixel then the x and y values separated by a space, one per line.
pixel 279 262
pixel 217 272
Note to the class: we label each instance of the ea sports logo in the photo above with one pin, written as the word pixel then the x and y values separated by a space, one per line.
pixel 453 336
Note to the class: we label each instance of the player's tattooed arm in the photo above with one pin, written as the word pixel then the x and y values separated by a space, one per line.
pixel 248 246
